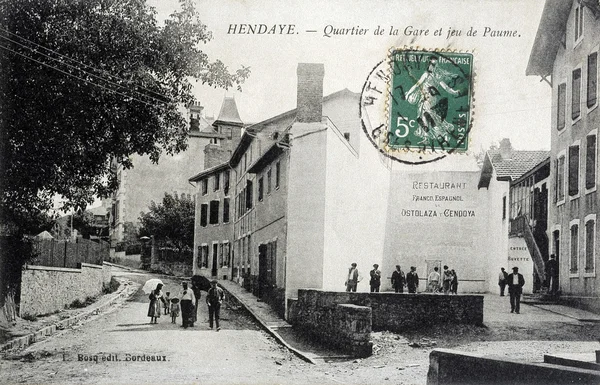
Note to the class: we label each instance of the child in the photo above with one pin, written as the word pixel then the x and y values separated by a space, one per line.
pixel 167 302
pixel 174 309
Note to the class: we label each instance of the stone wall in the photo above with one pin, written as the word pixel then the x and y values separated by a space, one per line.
pixel 345 326
pixel 45 289
pixel 400 311
pixel 453 367
pixel 179 269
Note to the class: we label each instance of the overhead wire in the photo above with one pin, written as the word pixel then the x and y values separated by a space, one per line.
pixel 73 60
pixel 77 77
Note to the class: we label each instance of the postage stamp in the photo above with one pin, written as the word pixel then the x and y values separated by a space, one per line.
pixel 416 106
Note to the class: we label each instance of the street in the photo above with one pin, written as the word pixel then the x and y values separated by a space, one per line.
pixel 121 347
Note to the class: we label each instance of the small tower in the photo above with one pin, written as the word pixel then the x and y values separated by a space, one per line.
pixel 228 130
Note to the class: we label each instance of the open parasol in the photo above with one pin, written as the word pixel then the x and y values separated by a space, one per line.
pixel 150 285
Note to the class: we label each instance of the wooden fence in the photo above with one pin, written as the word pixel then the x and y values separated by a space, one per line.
pixel 50 252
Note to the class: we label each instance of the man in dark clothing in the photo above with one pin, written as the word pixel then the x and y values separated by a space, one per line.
pixel 398 280
pixel 375 279
pixel 412 280
pixel 214 298
pixel 515 282
pixel 552 274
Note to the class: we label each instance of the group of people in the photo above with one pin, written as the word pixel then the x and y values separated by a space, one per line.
pixel 400 280
pixel 447 282
pixel 186 303
pixel 515 283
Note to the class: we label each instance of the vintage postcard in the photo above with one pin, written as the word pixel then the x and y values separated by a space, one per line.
pixel 398 192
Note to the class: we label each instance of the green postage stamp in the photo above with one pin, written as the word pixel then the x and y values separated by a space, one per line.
pixel 429 100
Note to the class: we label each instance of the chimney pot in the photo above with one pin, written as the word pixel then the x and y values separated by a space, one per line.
pixel 310 92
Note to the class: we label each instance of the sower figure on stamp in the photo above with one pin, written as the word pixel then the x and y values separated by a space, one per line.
pixel 515 284
pixel 432 106
pixel 412 280
pixel 375 279
pixel 352 279
pixel 398 280
pixel 214 298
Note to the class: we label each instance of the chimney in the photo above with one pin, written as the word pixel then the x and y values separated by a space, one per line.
pixel 310 92
pixel 195 112
pixel 506 149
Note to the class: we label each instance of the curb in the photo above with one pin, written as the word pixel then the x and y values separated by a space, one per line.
pixel 270 331
pixel 28 339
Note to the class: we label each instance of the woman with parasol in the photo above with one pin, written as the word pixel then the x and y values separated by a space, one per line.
pixel 156 297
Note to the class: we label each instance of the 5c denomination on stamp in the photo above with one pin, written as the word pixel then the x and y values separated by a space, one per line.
pixel 416 107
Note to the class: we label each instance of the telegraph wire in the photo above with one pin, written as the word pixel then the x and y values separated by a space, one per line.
pixel 85 72
pixel 77 77
pixel 76 61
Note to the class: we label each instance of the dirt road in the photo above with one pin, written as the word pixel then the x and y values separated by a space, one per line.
pixel 243 354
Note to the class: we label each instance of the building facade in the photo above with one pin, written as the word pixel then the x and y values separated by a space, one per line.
pixel 148 181
pixel 565 54
pixel 512 179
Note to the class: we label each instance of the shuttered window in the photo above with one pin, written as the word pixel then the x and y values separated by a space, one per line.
pixel 576 94
pixel 573 170
pixel 592 79
pixel 590 162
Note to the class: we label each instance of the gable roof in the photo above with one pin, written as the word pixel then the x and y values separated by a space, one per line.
pixel 550 35
pixel 509 169
pixel 209 171
pixel 250 131
pixel 229 113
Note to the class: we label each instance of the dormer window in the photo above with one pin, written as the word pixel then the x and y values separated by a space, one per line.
pixel 578 23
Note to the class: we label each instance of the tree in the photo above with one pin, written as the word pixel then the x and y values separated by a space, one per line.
pixel 172 221
pixel 86 82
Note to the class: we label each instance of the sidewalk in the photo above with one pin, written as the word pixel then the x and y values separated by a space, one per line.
pixel 303 347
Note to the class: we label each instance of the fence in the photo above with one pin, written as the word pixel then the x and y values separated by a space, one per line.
pixel 50 252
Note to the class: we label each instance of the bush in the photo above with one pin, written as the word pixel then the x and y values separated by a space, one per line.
pixel 111 287
pixel 29 317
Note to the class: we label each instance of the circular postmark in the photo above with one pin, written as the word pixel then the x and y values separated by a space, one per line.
pixel 416 105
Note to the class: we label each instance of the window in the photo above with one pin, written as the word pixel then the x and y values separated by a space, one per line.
pixel 249 243
pixel 277 174
pixel 204 186
pixel 574 252
pixel 220 260
pixel 226 210
pixel 269 181
pixel 573 170
pixel 217 181
pixel 214 213
pixel 590 227
pixel 226 254
pixel 248 195
pixel 226 182
pixel 578 23
pixel 203 256
pixel 215 246
pixel 245 161
pixel 576 94
pixel 260 189
pixel 561 105
pixel 117 212
pixel 503 207
pixel 592 79
pixel 560 178
pixel 203 214
pixel 590 162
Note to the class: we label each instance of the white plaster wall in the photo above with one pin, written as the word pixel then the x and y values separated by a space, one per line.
pixel 306 208
pixel 355 211
pixel 413 237
pixel 497 229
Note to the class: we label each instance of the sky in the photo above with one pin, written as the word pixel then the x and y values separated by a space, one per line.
pixel 506 102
